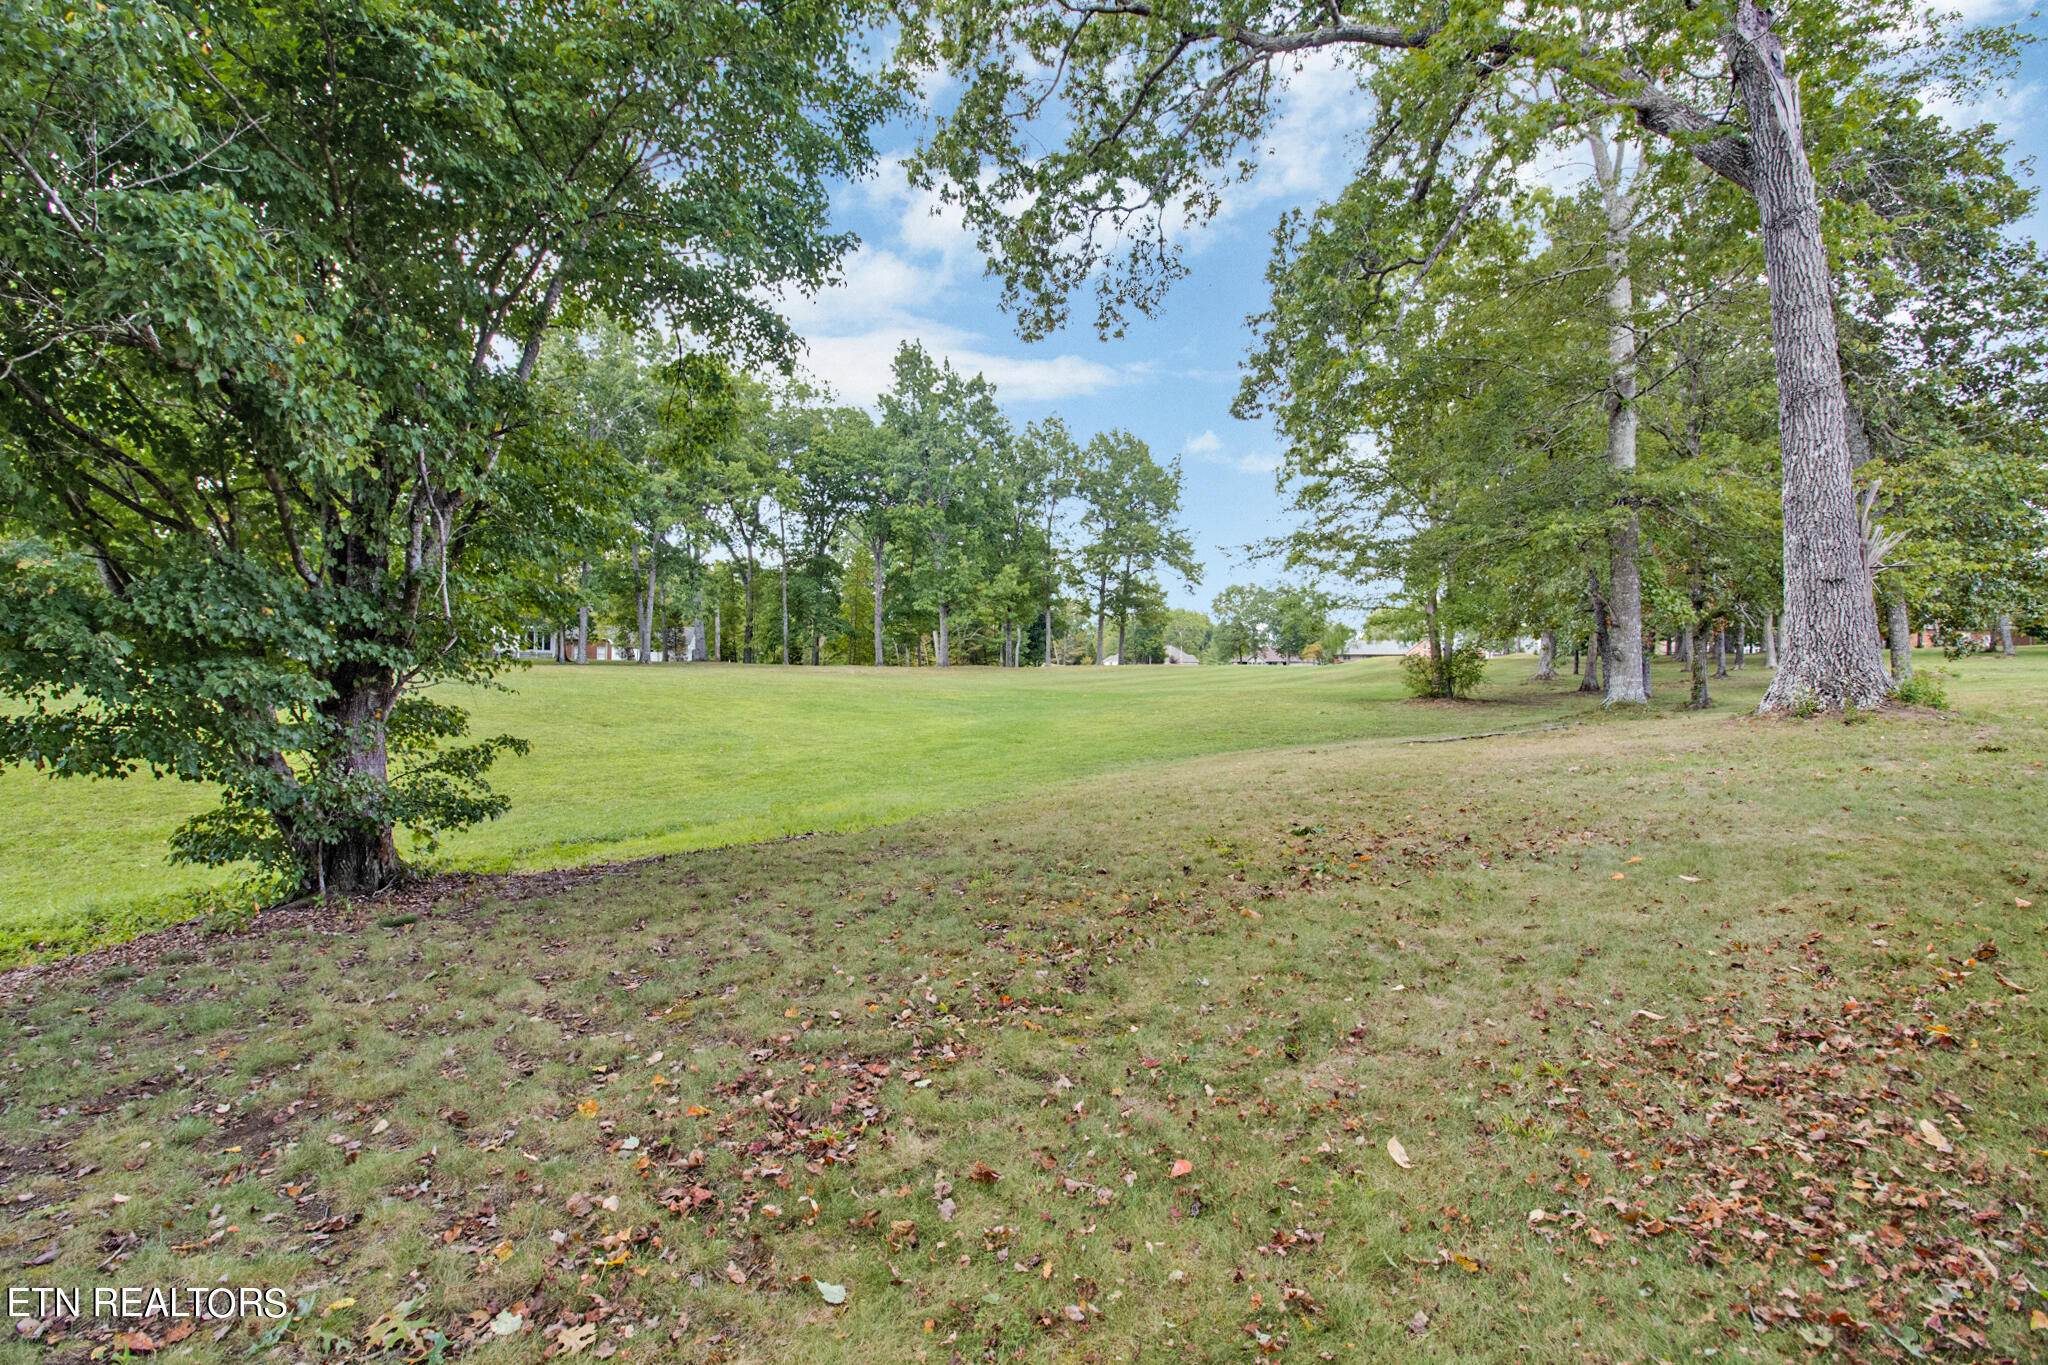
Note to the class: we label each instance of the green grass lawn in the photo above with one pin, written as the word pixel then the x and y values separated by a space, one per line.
pixel 1698 1034
pixel 629 761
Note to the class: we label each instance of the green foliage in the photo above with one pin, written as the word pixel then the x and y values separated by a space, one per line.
pixel 278 283
pixel 1455 674
pixel 1923 689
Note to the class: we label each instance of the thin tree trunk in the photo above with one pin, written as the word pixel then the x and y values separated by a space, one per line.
pixel 875 548
pixel 1829 613
pixel 1771 640
pixel 718 632
pixel 1721 652
pixel 1624 669
pixel 1596 645
pixel 1546 658
pixel 941 646
pixel 1048 635
pixel 1120 620
pixel 583 614
pixel 1699 699
pixel 1901 641
pixel 1741 640
pixel 782 532
pixel 2005 645
pixel 1437 663
pixel 647 611
pixel 1101 607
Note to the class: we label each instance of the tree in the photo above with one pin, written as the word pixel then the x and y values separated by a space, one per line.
pixel 1301 615
pixel 1245 619
pixel 1130 501
pixel 949 431
pixel 276 283
pixel 1160 100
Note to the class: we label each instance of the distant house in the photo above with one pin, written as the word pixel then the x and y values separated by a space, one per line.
pixel 1266 654
pixel 1927 639
pixel 1363 648
pixel 1180 657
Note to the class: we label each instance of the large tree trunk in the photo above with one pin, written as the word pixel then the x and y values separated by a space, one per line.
pixel 1721 652
pixel 1546 658
pixel 1741 640
pixel 2005 645
pixel 1829 618
pixel 363 857
pixel 1624 590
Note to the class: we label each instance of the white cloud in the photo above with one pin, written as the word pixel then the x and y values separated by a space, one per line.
pixel 899 284
pixel 2007 109
pixel 1209 448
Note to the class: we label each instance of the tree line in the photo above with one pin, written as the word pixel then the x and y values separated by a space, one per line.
pixel 765 522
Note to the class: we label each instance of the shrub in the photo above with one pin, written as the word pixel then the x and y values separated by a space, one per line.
pixel 1922 690
pixel 1461 671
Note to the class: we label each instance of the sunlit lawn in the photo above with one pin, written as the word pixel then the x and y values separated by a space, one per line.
pixel 1699 1035
pixel 630 760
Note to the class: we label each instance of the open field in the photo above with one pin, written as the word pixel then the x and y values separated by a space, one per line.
pixel 1696 1033
pixel 630 761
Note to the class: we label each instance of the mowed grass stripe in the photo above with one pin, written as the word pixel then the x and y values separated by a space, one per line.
pixel 629 761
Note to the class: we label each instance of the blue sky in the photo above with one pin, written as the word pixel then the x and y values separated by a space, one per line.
pixel 1171 378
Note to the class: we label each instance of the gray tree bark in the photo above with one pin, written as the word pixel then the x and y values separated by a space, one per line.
pixel 1829 617
pixel 875 550
pixel 1546 658
pixel 1700 699
pixel 1901 632
pixel 1721 652
pixel 647 612
pixel 583 615
pixel 2005 645
pixel 1624 670
pixel 1770 639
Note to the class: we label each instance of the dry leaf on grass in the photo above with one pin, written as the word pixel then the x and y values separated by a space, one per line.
pixel 1935 1138
pixel 1399 1153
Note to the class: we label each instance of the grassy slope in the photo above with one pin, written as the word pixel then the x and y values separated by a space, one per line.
pixel 630 761
pixel 1687 986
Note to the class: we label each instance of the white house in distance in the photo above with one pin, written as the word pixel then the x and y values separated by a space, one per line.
pixel 1362 648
